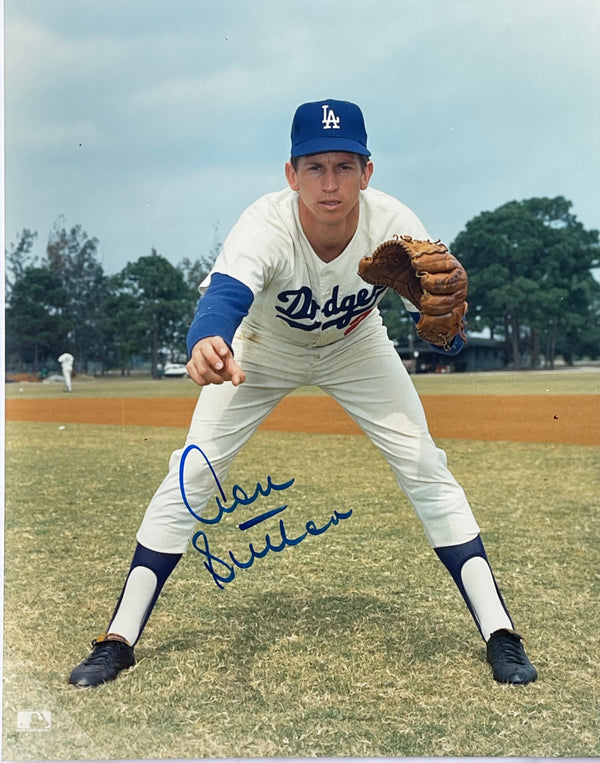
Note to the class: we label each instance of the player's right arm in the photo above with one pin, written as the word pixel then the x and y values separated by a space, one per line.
pixel 212 362
pixel 221 309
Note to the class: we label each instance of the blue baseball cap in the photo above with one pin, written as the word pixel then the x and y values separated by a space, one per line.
pixel 328 125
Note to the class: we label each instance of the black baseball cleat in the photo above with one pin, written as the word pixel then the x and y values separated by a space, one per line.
pixel 110 655
pixel 510 664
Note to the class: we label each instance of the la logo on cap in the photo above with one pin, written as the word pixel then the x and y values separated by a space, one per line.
pixel 328 125
pixel 330 121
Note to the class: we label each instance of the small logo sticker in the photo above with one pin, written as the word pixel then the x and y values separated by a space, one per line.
pixel 34 720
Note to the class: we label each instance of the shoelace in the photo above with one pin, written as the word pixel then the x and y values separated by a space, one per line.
pixel 102 652
pixel 509 649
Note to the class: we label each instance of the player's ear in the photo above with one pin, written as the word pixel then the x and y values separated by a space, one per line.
pixel 291 176
pixel 366 175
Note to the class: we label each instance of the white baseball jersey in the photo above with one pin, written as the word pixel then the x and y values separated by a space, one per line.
pixel 294 296
pixel 66 361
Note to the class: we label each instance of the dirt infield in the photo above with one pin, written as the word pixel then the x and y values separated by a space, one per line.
pixel 518 418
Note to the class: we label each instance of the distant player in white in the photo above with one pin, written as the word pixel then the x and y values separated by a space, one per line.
pixel 283 307
pixel 66 361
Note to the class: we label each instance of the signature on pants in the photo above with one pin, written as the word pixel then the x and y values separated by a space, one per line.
pixel 224 570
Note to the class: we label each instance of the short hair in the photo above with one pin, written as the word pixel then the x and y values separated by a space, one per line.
pixel 364 160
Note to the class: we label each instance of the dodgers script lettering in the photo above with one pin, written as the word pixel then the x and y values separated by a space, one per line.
pixel 300 310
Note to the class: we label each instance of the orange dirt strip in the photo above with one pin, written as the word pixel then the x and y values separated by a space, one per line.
pixel 520 418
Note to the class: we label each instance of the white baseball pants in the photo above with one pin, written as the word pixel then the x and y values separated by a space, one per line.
pixel 367 377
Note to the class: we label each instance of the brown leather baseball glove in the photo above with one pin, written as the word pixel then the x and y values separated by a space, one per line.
pixel 427 275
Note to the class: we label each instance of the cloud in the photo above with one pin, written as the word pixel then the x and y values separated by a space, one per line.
pixel 186 107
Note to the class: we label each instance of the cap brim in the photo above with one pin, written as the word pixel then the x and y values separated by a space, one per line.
pixel 324 145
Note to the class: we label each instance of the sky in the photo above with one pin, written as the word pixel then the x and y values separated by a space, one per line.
pixel 154 123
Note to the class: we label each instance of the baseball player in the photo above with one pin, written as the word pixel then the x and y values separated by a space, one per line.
pixel 284 307
pixel 66 361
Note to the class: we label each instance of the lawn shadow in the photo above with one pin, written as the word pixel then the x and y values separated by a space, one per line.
pixel 341 624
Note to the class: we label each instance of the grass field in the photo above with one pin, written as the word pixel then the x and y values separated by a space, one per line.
pixel 582 382
pixel 353 643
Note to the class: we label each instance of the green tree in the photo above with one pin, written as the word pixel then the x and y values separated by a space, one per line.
pixel 124 330
pixel 72 256
pixel 36 328
pixel 530 278
pixel 18 258
pixel 164 302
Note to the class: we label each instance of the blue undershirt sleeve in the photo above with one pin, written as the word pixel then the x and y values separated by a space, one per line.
pixel 456 346
pixel 220 310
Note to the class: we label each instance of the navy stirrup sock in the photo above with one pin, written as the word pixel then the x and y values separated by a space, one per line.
pixel 161 565
pixel 454 558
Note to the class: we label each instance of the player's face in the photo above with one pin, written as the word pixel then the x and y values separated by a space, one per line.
pixel 329 185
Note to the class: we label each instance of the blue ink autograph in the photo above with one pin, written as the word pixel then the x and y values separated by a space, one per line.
pixel 220 570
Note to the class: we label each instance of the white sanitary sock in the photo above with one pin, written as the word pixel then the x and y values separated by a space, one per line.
pixel 480 588
pixel 137 597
